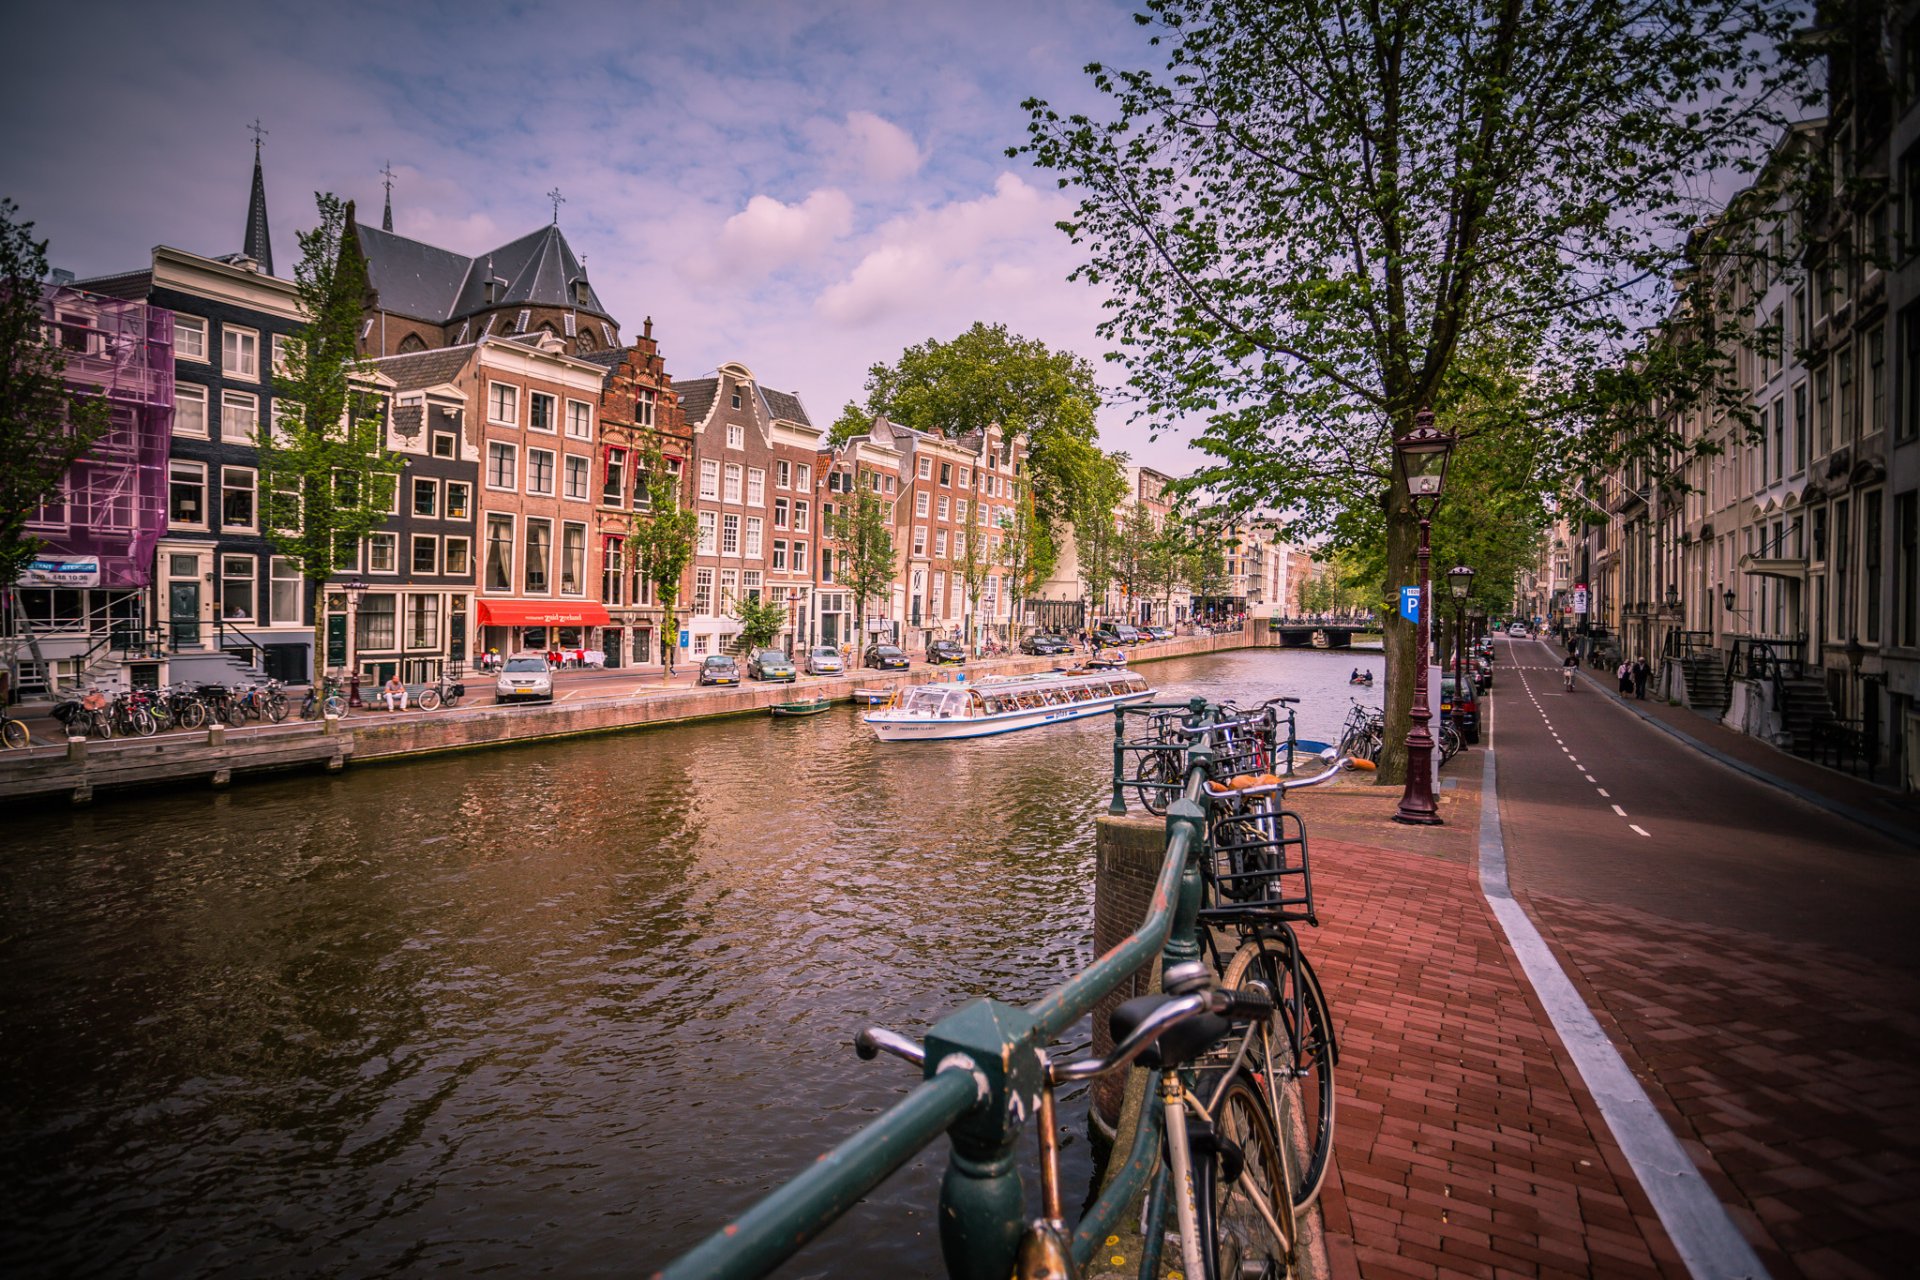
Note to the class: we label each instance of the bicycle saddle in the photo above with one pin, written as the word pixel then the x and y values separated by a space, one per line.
pixel 1179 1044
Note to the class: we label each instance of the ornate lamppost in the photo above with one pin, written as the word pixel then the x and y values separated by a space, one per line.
pixel 1422 455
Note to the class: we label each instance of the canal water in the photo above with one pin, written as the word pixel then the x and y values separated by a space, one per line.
pixel 558 1009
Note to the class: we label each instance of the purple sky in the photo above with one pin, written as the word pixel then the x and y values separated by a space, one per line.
pixel 804 187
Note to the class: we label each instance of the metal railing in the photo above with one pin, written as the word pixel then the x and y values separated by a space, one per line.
pixel 982 1081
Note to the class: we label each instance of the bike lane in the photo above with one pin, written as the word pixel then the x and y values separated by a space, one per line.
pixel 1753 959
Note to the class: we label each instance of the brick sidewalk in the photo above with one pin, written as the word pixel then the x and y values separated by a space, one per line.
pixel 1466 1144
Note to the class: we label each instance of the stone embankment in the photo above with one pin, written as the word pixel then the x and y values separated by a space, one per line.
pixel 77 770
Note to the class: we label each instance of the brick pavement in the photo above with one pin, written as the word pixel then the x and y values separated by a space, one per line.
pixel 1466 1144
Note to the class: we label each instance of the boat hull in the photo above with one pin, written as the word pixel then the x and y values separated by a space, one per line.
pixel 894 726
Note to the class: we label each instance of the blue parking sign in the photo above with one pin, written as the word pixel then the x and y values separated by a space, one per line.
pixel 1410 603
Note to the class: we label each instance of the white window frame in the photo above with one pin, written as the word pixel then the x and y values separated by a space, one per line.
pixel 702 595
pixel 709 533
pixel 253 585
pixel 190 324
pixel 803 476
pixel 512 404
pixel 447 544
pixel 754 538
pixel 756 486
pixel 736 434
pixel 553 475
pixel 799 561
pixel 404 623
pixel 252 487
pixel 920 507
pixel 245 341
pixel 966 477
pixel 732 482
pixel 245 400
pixel 386 538
pixel 583 466
pixel 579 413
pixel 526 556
pixel 560 559
pixel 782 474
pixel 959 513
pixel 413 555
pixel 729 534
pixel 553 417
pixel 446 499
pixel 920 540
pixel 940 543
pixel 432 486
pixel 194 392
pixel 778 561
pixel 486 549
pixel 275 580
pixel 943 506
pixel 206 498
pixel 512 468
pixel 710 479
pixel 800 507
pixel 925 469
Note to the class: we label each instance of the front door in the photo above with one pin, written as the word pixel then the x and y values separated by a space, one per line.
pixel 185 599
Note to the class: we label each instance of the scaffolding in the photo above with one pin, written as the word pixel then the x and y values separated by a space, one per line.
pixel 102 525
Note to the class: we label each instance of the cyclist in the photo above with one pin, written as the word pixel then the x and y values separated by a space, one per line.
pixel 1568 667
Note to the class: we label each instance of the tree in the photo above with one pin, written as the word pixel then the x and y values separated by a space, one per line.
pixel 1206 566
pixel 987 376
pixel 663 540
pixel 324 463
pixel 1133 552
pixel 1318 217
pixel 864 531
pixel 761 620
pixel 1096 533
pixel 45 425
pixel 1166 560
pixel 1027 551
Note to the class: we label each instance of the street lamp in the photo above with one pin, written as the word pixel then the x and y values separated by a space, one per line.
pixel 1460 582
pixel 1727 597
pixel 1422 454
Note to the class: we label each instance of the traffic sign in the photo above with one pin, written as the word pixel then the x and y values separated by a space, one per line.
pixel 1410 603
pixel 1580 598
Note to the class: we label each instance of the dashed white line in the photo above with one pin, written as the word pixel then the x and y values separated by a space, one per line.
pixel 1603 791
pixel 1590 778
pixel 1622 812
pixel 1634 826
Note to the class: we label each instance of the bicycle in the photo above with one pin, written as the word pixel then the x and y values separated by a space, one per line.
pixel 1362 734
pixel 324 698
pixel 14 732
pixel 1222 1163
pixel 444 692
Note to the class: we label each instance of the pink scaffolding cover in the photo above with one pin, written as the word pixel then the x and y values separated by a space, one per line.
pixel 103 524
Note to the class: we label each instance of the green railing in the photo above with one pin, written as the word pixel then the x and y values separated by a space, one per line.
pixel 981 1087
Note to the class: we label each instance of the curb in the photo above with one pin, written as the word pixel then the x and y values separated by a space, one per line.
pixel 1901 835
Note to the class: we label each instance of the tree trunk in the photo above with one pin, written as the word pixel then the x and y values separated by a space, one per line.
pixel 319 633
pixel 1399 638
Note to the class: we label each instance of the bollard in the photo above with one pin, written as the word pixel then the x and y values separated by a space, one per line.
pixel 1118 806
pixel 76 750
pixel 216 734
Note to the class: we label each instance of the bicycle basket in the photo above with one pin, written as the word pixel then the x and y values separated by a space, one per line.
pixel 1259 866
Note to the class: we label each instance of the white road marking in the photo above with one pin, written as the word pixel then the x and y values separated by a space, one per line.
pixel 1633 826
pixel 1603 791
pixel 1590 778
pixel 1622 812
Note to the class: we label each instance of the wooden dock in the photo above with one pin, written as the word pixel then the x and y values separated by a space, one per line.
pixel 79 767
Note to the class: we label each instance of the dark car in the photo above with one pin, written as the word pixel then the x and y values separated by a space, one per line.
pixel 945 652
pixel 772 664
pixel 1465 713
pixel 884 657
pixel 1114 633
pixel 1044 644
pixel 1482 673
pixel 718 668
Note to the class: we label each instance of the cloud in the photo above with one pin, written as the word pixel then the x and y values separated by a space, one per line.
pixel 768 235
pixel 882 150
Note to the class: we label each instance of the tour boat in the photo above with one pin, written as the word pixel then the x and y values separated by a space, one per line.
pixel 1002 705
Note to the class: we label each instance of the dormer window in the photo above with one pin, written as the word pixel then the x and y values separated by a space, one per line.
pixel 580 293
pixel 736 399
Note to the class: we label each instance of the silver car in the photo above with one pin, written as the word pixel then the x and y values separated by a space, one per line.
pixel 824 660
pixel 525 678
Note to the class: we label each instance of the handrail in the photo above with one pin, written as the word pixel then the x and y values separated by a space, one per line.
pixel 982 1063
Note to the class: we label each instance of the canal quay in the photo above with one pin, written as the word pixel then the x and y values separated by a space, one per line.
pixel 559 1008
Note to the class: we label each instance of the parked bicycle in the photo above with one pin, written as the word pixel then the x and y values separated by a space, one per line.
pixel 86 715
pixel 444 692
pixel 14 732
pixel 324 697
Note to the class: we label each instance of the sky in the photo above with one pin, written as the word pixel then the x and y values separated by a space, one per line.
pixel 807 188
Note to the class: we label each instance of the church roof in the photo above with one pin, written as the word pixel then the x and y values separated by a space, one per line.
pixel 424 282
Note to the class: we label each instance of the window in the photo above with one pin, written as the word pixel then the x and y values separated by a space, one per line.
pixel 503 403
pixel 732 490
pixel 239 417
pixel 826 564
pixel 613 572
pixel 1870 564
pixel 187 495
pixel 189 338
pixel 284 510
pixel 919 540
pixel 613 485
pixel 189 410
pixel 540 472
pixel 780 509
pixel 240 353
pixel 285 587
pixel 944 507
pixel 573 559
pixel 736 434
pixel 445 445
pixel 783 475
pixel 1843 395
pixel 966 477
pixel 279 345
pixel 703 592
pixel 799 516
pixel 540 412
pixel 920 505
pixel 1800 441
pixel 456 555
pixel 729 589
pixel 939 592
pixel 799 557
pixel 708 523
pixel 925 469
pixel 1778 437
pixel 730 535
pixel 237 497
pixel 643 406
pixel 426 497
pixel 423 621
pixel 1906 569
pixel 756 487
pixel 576 478
pixel 376 630
pixel 499 553
pixel 946 474
pixel 940 543
pixel 1876 418
pixel 753 535
pixel 539 553
pixel 779 564
pixel 459 500
pixel 750 583
pixel 803 476
pixel 383 553
pixel 1823 411
pixel 961 510
pixel 1907 424
pixel 701 642
pixel 236 586
pixel 502 461
pixel 709 479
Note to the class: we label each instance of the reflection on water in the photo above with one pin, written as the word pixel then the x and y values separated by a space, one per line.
pixel 560 1008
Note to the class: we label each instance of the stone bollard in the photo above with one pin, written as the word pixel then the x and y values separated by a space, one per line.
pixel 76 751
pixel 216 735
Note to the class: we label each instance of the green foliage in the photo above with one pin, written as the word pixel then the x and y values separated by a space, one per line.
pixel 985 376
pixel 1096 533
pixel 324 465
pixel 662 541
pixel 1027 551
pixel 760 620
pixel 1342 581
pixel 1133 551
pixel 44 426
pixel 852 422
pixel 864 531
pixel 1204 565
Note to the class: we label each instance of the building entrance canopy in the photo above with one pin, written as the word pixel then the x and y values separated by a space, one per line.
pixel 541 613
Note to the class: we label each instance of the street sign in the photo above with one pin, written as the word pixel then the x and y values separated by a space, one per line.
pixel 1580 598
pixel 1410 603
pixel 685 638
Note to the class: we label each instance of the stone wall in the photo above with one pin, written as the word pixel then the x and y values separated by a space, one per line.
pixel 1128 855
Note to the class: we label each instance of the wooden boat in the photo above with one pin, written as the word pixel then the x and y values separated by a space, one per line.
pixel 1002 705
pixel 802 707
pixel 869 696
pixel 1108 660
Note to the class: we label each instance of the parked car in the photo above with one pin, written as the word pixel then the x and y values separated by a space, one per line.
pixel 526 677
pixel 1045 644
pixel 945 652
pixel 1482 673
pixel 1464 712
pixel 719 668
pixel 1159 633
pixel 824 660
pixel 1517 632
pixel 885 657
pixel 772 664
pixel 1113 633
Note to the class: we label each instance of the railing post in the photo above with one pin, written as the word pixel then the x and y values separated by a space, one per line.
pixel 1118 806
pixel 982 1202
pixel 1183 939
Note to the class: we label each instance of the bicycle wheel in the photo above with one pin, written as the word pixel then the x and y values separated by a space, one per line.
pixel 429 699
pixel 233 713
pixel 193 715
pixel 335 705
pixel 1157 770
pixel 14 733
pixel 143 722
pixel 1298 1045
pixel 1251 1228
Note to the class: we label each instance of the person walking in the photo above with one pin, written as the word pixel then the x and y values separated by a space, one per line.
pixel 1623 674
pixel 1641 671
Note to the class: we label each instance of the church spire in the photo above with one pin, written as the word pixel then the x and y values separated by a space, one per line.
pixel 259 242
pixel 386 217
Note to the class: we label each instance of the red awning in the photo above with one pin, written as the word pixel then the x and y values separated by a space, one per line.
pixel 541 613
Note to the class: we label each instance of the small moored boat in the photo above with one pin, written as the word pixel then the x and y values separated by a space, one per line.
pixel 931 711
pixel 801 707
pixel 1108 660
pixel 869 696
